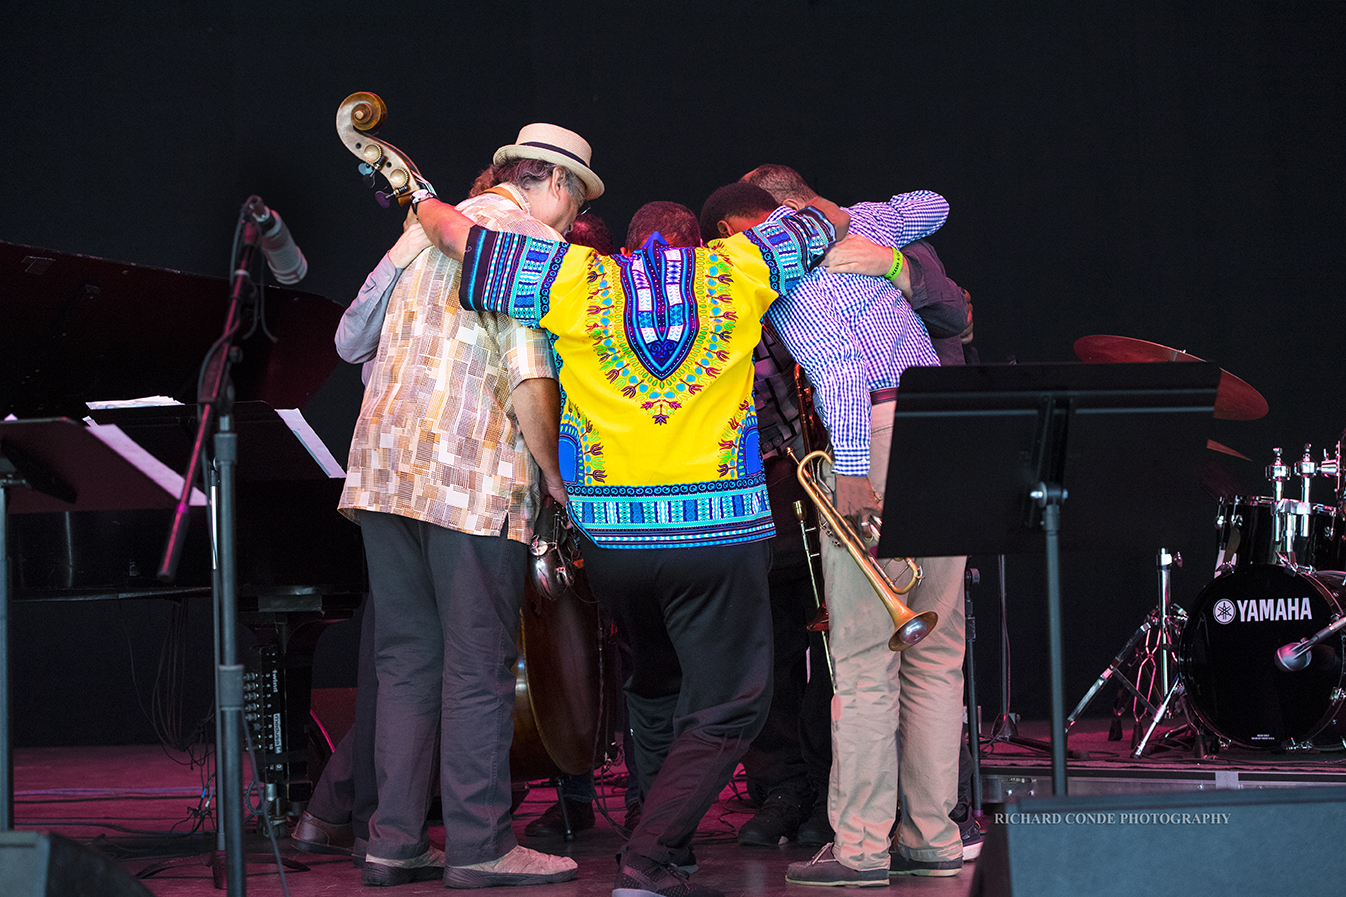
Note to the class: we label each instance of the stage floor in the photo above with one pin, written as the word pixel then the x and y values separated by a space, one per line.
pixel 135 805
pixel 1011 772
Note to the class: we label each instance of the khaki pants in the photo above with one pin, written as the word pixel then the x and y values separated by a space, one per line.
pixel 882 696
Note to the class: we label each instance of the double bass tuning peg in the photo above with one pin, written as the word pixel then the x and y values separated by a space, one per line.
pixel 368 171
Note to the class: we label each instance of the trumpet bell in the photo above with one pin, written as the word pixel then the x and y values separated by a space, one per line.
pixel 913 631
pixel 910 627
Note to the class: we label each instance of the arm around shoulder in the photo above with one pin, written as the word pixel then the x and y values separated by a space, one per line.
pixel 446 227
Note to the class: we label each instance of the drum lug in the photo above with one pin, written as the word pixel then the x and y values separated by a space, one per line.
pixel 1338 694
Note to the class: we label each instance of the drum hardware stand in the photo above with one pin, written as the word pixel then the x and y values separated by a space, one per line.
pixel 1291 522
pixel 1174 738
pixel 1147 656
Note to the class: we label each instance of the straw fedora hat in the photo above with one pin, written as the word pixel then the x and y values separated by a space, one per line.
pixel 557 145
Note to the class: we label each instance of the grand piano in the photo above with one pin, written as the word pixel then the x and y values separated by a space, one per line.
pixel 78 329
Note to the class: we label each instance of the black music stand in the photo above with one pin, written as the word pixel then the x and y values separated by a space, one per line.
pixel 1118 445
pixel 63 467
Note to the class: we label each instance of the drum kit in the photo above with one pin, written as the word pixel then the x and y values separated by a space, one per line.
pixel 1258 662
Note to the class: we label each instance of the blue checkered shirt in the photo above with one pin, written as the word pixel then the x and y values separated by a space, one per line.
pixel 853 333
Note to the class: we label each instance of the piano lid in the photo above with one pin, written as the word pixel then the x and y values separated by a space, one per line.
pixel 78 329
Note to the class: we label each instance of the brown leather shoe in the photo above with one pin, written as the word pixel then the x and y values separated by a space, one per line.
pixel 552 823
pixel 312 835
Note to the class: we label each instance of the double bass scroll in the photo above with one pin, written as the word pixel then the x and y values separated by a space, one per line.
pixel 358 118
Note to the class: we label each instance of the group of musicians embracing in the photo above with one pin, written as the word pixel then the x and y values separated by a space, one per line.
pixel 510 364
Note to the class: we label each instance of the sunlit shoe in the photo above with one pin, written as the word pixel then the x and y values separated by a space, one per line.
pixel 520 866
pixel 378 872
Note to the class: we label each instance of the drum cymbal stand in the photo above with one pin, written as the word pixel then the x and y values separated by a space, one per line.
pixel 1145 668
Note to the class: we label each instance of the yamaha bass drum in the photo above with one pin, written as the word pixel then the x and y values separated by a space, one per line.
pixel 1227 657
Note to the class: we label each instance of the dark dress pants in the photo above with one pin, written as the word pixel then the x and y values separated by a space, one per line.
pixel 448 612
pixel 698 621
pixel 793 752
pixel 347 789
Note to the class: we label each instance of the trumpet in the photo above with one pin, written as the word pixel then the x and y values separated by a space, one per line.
pixel 910 626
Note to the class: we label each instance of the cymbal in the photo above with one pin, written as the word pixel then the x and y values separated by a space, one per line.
pixel 1220 447
pixel 1234 399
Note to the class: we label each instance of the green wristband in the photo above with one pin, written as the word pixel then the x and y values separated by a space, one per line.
pixel 896 269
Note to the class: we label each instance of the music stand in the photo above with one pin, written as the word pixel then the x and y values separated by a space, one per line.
pixel 64 467
pixel 1119 445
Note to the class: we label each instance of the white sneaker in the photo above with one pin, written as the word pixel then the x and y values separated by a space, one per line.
pixel 520 866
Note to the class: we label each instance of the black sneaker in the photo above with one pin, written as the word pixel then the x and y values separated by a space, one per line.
pixel 971 834
pixel 816 830
pixel 643 877
pixel 551 822
pixel 779 817
pixel 900 865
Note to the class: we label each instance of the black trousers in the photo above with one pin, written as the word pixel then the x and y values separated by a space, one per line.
pixel 698 621
pixel 793 752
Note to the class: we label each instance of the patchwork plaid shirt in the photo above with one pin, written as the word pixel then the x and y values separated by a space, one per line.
pixel 437 438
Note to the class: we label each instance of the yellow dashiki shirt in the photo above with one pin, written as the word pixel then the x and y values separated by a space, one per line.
pixel 658 432
pixel 437 439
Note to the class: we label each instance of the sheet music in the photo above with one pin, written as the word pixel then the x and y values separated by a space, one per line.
pixel 144 402
pixel 169 480
pixel 294 419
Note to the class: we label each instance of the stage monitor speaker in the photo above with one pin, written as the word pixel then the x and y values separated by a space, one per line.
pixel 38 865
pixel 1247 842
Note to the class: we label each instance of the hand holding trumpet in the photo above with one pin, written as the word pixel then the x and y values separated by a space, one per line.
pixel 856 499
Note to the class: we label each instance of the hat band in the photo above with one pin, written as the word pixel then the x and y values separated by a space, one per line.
pixel 556 149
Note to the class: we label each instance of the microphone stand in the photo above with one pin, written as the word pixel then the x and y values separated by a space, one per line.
pixel 215 398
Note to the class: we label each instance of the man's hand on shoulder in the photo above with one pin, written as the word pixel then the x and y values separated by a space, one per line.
pixel 411 244
pixel 859 255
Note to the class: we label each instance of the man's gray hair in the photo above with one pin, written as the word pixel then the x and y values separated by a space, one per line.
pixel 527 174
pixel 781 181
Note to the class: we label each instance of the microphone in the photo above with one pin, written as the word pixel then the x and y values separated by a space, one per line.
pixel 1295 656
pixel 284 258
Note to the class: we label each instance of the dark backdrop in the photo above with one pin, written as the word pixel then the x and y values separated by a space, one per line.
pixel 1172 174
